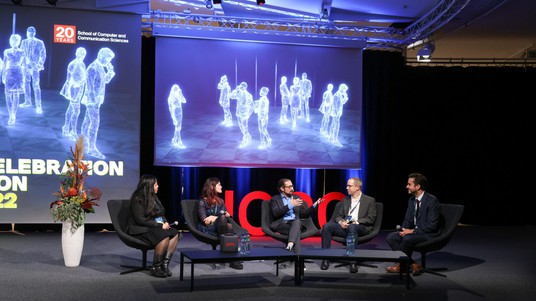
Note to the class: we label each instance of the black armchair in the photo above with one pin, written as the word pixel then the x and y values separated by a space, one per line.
pixel 363 238
pixel 119 214
pixel 450 217
pixel 267 218
pixel 190 212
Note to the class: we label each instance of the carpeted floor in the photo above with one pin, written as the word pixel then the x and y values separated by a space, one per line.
pixel 485 263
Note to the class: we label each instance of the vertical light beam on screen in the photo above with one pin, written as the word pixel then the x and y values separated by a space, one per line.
pixel 13 23
pixel 275 89
pixel 256 76
pixel 295 68
pixel 236 72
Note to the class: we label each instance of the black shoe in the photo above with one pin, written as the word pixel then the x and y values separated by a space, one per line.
pixel 158 272
pixel 325 265
pixel 353 268
pixel 236 265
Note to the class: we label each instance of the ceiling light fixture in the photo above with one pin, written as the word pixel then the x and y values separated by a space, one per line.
pixel 208 4
pixel 325 14
pixel 425 53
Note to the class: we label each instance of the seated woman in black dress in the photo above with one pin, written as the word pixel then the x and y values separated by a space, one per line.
pixel 149 224
pixel 213 215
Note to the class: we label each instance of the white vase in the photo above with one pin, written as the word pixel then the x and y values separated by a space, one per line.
pixel 72 244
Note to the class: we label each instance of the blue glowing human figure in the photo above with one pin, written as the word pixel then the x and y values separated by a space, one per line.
pixel 36 55
pixel 73 90
pixel 325 109
pixel 175 101
pixel 225 103
pixel 285 100
pixel 244 109
pixel 99 73
pixel 295 100
pixel 13 76
pixel 339 99
pixel 262 107
pixel 306 89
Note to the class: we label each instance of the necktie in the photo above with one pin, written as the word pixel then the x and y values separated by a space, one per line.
pixel 417 207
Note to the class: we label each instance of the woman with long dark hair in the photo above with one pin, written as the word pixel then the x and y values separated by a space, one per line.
pixel 150 224
pixel 213 215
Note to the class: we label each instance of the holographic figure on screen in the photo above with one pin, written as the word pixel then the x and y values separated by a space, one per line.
pixel 99 73
pixel 262 107
pixel 244 109
pixel 225 103
pixel 285 100
pixel 306 88
pixel 175 101
pixel 294 101
pixel 36 55
pixel 73 90
pixel 13 76
pixel 339 99
pixel 325 109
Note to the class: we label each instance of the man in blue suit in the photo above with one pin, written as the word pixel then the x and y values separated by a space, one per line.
pixel 421 222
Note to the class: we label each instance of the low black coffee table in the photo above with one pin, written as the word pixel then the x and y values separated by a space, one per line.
pixel 359 255
pixel 216 256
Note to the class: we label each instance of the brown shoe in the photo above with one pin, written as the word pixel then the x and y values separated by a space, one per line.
pixel 394 268
pixel 416 269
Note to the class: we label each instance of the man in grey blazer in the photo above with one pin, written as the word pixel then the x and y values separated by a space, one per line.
pixel 357 215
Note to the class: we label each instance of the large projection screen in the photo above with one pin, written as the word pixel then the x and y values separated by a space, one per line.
pixel 190 124
pixel 34 146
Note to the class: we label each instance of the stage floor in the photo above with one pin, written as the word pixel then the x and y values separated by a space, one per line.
pixel 485 263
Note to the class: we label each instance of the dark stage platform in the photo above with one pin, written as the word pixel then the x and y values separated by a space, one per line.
pixel 485 263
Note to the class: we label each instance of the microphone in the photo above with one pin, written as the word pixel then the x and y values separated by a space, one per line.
pixel 223 212
pixel 398 228
pixel 175 223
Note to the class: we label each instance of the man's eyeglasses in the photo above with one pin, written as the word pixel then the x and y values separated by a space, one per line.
pixel 289 186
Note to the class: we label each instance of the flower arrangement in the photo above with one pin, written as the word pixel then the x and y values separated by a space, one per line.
pixel 72 200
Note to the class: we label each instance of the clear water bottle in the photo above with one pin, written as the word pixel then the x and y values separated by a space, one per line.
pixel 350 244
pixel 247 244
pixel 242 244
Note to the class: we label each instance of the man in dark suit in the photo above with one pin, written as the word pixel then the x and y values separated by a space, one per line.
pixel 357 216
pixel 287 209
pixel 421 222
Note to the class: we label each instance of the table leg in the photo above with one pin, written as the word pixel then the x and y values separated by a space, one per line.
pixel 192 276
pixel 182 267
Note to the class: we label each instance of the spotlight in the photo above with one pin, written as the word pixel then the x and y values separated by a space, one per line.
pixel 17 2
pixel 208 4
pixel 52 2
pixel 425 54
pixel 260 2
pixel 325 13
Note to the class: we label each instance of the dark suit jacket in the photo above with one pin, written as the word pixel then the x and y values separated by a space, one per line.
pixel 367 211
pixel 138 222
pixel 278 210
pixel 428 219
